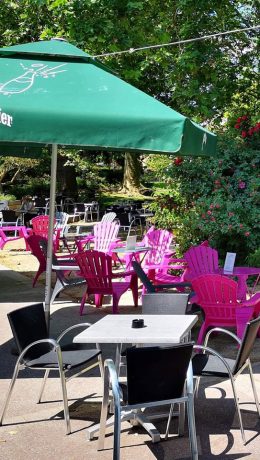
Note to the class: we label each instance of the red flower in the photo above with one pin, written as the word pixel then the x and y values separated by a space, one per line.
pixel 239 120
pixel 178 161
pixel 244 117
pixel 231 214
pixel 237 126
pixel 251 131
pixel 247 233
pixel 244 134
pixel 217 205
pixel 209 213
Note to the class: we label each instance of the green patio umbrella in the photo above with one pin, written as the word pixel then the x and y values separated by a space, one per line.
pixel 52 93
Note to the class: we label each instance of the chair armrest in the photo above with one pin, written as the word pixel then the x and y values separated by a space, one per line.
pixel 215 353
pixel 66 257
pixel 123 274
pixel 66 267
pixel 172 285
pixel 165 266
pixel 52 342
pixel 75 326
pixel 225 331
pixel 253 301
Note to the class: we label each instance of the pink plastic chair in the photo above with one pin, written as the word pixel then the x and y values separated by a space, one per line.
pixel 158 261
pixel 40 225
pixel 5 238
pixel 36 250
pixel 159 240
pixel 96 268
pixel 104 238
pixel 217 296
pixel 201 260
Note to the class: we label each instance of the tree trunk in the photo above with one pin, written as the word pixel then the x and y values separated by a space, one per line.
pixel 66 178
pixel 132 173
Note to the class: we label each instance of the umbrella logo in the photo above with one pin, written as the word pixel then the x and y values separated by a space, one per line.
pixel 204 141
pixel 26 80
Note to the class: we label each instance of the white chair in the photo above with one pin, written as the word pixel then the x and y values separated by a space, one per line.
pixel 108 217
pixel 90 210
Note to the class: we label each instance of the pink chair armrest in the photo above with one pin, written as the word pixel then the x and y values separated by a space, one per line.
pixel 253 301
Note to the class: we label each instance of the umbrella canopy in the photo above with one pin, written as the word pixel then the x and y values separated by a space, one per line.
pixel 53 93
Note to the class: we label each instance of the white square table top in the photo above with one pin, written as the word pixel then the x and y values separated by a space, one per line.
pixel 158 329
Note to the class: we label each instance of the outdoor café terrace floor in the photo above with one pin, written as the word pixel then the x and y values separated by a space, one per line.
pixel 37 431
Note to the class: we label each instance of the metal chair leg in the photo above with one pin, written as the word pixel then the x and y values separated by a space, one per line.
pixel 192 427
pixel 181 419
pixel 57 288
pixel 168 422
pixel 64 391
pixel 104 410
pixel 254 387
pixel 10 390
pixel 117 432
pixel 238 409
pixel 46 375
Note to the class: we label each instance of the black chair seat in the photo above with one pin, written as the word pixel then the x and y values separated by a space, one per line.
pixel 70 359
pixel 204 364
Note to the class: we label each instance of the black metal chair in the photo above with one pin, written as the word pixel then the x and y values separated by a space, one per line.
pixel 61 265
pixel 150 287
pixel 38 351
pixel 156 376
pixel 211 363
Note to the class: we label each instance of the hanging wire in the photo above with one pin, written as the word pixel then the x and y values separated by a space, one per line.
pixel 179 42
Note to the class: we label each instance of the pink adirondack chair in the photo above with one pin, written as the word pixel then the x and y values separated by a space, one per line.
pixel 158 261
pixel 200 260
pixel 104 238
pixel 159 240
pixel 96 268
pixel 40 225
pixel 5 234
pixel 217 296
pixel 34 244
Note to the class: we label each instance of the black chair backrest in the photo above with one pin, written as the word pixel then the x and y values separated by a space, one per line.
pixel 39 202
pixel 156 373
pixel 143 277
pixel 28 324
pixel 79 207
pixel 123 218
pixel 247 343
pixel 9 215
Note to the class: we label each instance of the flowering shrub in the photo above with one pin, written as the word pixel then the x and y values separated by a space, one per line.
pixel 248 130
pixel 215 199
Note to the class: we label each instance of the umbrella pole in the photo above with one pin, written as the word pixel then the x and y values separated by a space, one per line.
pixel 54 154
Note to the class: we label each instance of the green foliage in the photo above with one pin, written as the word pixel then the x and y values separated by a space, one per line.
pixel 253 259
pixel 214 199
pixel 33 186
pixel 7 197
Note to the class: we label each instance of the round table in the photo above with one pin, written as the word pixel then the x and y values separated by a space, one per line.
pixel 242 273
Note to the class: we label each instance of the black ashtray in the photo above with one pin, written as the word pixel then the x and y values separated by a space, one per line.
pixel 137 323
